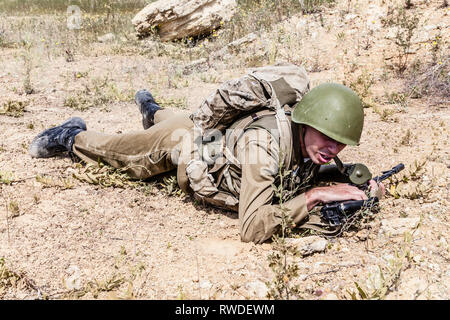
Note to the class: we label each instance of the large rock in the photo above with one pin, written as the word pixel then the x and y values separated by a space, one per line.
pixel 177 19
pixel 308 245
pixel 398 226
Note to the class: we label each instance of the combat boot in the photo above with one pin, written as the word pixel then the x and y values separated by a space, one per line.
pixel 147 106
pixel 56 140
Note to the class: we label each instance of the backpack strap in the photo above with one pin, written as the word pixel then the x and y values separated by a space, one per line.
pixel 283 125
pixel 286 143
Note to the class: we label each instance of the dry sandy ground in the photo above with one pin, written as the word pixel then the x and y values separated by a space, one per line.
pixel 88 241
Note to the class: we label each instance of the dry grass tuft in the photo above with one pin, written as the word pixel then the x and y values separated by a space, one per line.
pixel 14 109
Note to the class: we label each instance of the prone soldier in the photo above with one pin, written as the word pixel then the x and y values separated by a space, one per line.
pixel 318 125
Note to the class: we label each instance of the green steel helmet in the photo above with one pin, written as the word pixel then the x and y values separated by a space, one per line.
pixel 334 110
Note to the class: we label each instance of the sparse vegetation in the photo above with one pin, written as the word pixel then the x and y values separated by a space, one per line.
pixel 170 186
pixel 13 108
pixel 98 94
pixel 405 25
pixel 431 81
pixel 117 285
pixel 6 177
pixel 282 259
pixel 28 63
pixel 59 182
pixel 15 280
pixel 362 86
pixel 60 6
pixel 13 207
pixel 397 98
pixel 386 278
pixel 411 185
pixel 104 176
pixel 258 15
pixel 180 103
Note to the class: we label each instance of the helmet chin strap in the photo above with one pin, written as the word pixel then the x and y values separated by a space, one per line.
pixel 339 165
pixel 302 131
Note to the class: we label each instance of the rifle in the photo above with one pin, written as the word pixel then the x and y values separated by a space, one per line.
pixel 337 213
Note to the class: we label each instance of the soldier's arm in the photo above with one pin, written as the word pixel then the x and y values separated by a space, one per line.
pixel 259 219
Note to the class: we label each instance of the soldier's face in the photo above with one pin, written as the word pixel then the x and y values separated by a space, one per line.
pixel 320 148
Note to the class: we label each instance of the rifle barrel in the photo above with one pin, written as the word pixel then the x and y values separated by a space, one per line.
pixel 389 173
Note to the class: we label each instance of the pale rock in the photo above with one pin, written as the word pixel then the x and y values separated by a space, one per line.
pixel 222 225
pixel 375 279
pixel 432 218
pixel 236 45
pixel 435 267
pixel 73 281
pixel 303 265
pixel 302 277
pixel 177 19
pixel 317 265
pixel 22 296
pixel 412 288
pixel 331 296
pixel 398 226
pixel 257 288
pixel 197 66
pixel 350 16
pixel 205 284
pixel 109 37
pixel 300 26
pixel 309 245
pixel 417 258
pixel 429 27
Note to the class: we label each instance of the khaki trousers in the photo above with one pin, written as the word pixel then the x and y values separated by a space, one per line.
pixel 142 154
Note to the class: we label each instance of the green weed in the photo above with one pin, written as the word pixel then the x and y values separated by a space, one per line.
pixel 99 93
pixel 170 186
pixel 411 185
pixel 387 278
pixel 11 279
pixel 280 260
pixel 60 6
pixel 362 86
pixel 6 178
pixel 259 15
pixel 59 182
pixel 398 99
pixel 104 176
pixel 14 109
pixel 180 103
pixel 13 207
pixel 406 25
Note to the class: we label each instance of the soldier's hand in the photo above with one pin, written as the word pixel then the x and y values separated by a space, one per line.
pixel 376 190
pixel 338 192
